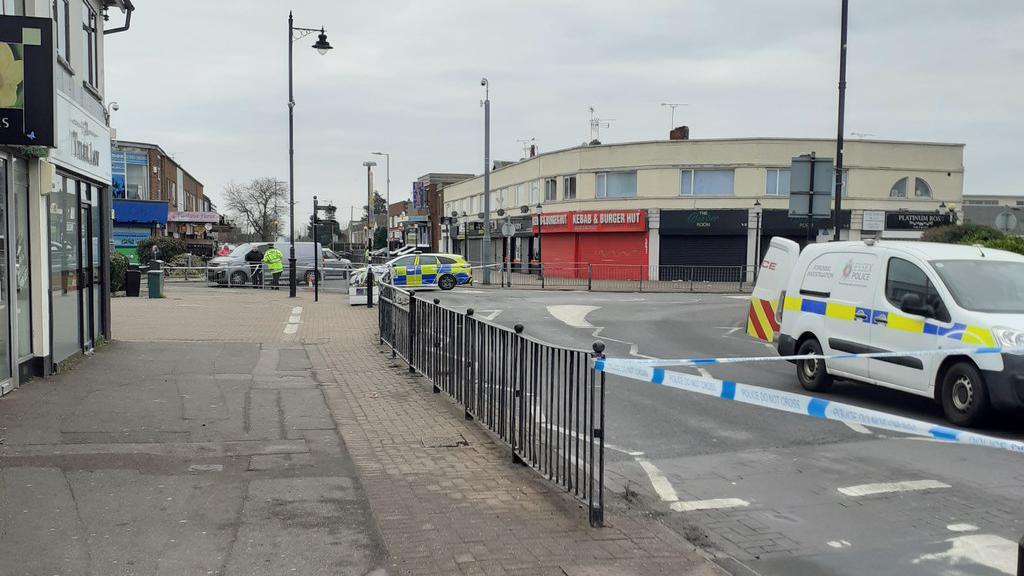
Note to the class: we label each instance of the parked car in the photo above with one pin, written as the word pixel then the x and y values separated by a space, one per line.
pixel 880 297
pixel 234 270
pixel 335 266
pixel 444 271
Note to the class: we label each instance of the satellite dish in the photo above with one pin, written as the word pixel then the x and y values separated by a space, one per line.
pixel 1006 222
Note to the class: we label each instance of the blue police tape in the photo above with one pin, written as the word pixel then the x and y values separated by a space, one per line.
pixel 704 361
pixel 800 404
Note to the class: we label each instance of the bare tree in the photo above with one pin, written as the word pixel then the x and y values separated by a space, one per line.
pixel 259 204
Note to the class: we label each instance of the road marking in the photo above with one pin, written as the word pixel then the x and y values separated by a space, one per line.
pixel 574 315
pixel 297 310
pixel 962 528
pixel 739 297
pixel 716 504
pixel 858 428
pixel 889 487
pixel 293 321
pixel 492 314
pixel 839 544
pixel 291 328
pixel 989 550
pixel 658 480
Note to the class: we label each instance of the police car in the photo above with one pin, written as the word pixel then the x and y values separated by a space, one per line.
pixel 444 271
pixel 882 297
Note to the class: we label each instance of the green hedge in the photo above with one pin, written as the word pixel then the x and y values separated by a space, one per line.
pixel 972 234
pixel 169 248
pixel 118 266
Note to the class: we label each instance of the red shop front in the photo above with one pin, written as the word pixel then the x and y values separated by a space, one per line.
pixel 607 244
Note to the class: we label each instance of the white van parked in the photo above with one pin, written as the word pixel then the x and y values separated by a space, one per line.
pixel 868 296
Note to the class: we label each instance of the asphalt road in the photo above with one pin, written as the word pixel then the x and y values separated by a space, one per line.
pixel 769 492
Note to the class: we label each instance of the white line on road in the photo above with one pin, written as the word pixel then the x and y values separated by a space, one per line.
pixel 858 428
pixel 658 480
pixel 297 310
pixel 293 319
pixel 574 315
pixel 491 314
pixel 962 528
pixel 989 550
pixel 291 328
pixel 889 487
pixel 716 504
pixel 839 544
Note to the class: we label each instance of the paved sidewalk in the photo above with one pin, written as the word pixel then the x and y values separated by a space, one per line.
pixel 205 440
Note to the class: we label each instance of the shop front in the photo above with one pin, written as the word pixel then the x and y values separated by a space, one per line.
pixel 196 228
pixel 79 222
pixel 703 238
pixel 134 221
pixel 613 243
pixel 777 223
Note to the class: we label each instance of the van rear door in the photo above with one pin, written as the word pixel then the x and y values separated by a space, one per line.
pixel 773 273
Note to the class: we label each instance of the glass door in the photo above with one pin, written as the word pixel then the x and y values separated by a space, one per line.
pixel 5 294
pixel 87 272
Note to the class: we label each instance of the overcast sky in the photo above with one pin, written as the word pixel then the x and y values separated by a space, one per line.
pixel 208 82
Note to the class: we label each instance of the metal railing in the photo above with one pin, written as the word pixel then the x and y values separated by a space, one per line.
pixel 545 402
pixel 625 277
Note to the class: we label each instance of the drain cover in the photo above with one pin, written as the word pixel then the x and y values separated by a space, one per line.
pixel 453 441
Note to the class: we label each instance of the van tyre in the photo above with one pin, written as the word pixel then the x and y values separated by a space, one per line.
pixel 447 282
pixel 812 373
pixel 964 395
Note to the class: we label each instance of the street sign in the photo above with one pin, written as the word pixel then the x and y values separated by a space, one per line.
pixel 508 230
pixel 1006 222
pixel 810 192
pixel 874 220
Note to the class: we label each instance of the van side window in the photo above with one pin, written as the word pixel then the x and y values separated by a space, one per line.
pixel 905 278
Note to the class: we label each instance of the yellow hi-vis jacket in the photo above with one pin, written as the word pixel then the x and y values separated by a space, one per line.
pixel 273 259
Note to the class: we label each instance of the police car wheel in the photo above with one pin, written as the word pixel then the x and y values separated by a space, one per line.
pixel 447 282
pixel 239 278
pixel 812 373
pixel 964 396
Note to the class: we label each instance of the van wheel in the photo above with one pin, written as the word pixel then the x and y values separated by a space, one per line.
pixel 964 395
pixel 239 278
pixel 447 282
pixel 812 373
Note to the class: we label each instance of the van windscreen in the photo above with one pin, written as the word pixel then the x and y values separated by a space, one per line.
pixel 984 285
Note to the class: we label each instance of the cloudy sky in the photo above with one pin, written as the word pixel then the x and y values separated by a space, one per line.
pixel 209 82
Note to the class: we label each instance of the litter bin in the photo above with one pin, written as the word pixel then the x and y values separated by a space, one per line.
pixel 132 281
pixel 155 279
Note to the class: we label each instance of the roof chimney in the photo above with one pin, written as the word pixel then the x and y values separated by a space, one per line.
pixel 680 133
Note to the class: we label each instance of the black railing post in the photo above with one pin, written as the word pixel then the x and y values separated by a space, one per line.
pixel 590 277
pixel 541 274
pixel 469 343
pixel 436 352
pixel 641 278
pixel 1020 558
pixel 517 396
pixel 412 331
pixel 597 512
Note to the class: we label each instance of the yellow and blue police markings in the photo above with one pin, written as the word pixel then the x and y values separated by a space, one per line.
pixel 958 331
pixel 427 274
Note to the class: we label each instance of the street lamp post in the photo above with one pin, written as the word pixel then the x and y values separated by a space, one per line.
pixel 369 232
pixel 486 244
pixel 540 236
pixel 757 239
pixel 837 216
pixel 321 46
pixel 387 193
pixel 316 255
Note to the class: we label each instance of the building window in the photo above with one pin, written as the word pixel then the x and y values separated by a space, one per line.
pixel 899 189
pixel 706 182
pixel 616 185
pixel 534 192
pixel 62 25
pixel 569 188
pixel 89 47
pixel 550 189
pixel 13 8
pixel 922 189
pixel 777 183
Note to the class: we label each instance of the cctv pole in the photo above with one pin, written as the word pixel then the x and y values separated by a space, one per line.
pixel 486 244
pixel 837 218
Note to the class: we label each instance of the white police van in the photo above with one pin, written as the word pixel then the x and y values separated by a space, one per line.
pixel 882 296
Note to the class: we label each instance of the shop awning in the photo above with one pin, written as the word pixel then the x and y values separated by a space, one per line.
pixel 140 211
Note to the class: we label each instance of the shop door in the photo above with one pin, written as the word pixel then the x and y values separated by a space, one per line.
pixel 5 294
pixel 87 279
pixel 558 254
pixel 703 258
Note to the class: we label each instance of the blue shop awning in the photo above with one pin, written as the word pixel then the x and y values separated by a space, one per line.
pixel 140 211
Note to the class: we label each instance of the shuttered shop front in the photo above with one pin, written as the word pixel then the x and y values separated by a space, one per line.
pixel 606 244
pixel 694 241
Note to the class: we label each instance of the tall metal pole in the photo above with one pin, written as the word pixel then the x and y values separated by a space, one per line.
pixel 810 200
pixel 486 244
pixel 316 253
pixel 838 216
pixel 369 234
pixel 291 166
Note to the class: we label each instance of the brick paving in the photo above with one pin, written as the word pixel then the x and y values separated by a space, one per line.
pixel 464 508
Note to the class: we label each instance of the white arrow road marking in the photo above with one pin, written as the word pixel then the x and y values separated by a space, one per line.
pixel 987 550
pixel 962 528
pixel 715 504
pixel 574 315
pixel 889 487
pixel 858 428
pixel 658 480
pixel 491 314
